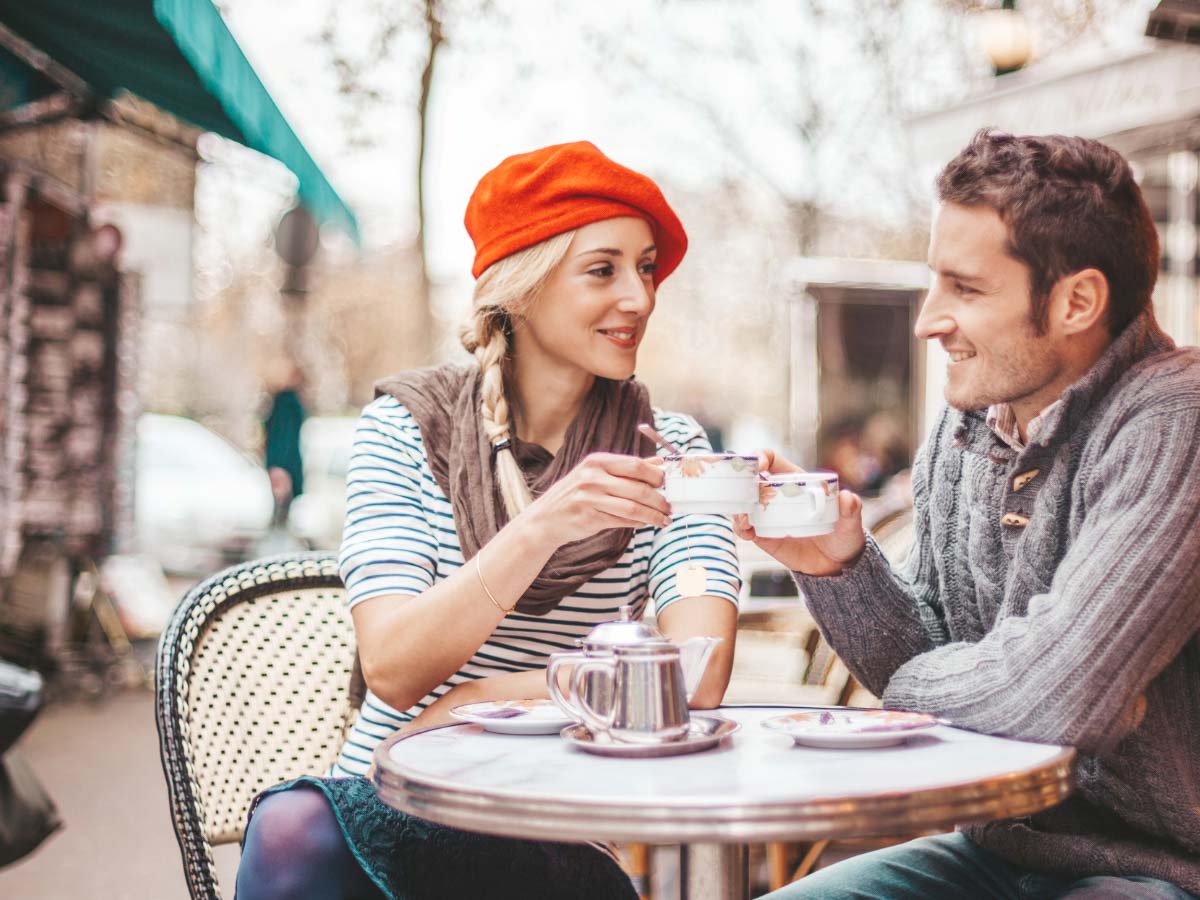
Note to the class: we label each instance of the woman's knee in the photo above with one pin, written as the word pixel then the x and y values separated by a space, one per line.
pixel 292 838
pixel 297 823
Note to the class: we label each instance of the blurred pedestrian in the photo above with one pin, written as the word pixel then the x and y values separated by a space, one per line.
pixel 281 437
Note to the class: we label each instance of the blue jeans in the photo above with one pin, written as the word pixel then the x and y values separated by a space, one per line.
pixel 950 867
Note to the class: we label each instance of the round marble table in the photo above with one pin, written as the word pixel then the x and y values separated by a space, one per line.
pixel 756 787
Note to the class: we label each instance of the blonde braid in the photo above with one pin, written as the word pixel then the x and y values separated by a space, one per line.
pixel 491 351
pixel 504 289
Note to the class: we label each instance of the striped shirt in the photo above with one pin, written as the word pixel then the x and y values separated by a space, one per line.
pixel 400 540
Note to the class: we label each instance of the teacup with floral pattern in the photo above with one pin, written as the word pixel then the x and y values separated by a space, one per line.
pixel 796 504
pixel 723 483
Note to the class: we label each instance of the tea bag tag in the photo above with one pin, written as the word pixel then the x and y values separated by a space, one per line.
pixel 691 580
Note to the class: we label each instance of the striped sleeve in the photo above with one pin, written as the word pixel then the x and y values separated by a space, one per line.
pixel 706 540
pixel 388 546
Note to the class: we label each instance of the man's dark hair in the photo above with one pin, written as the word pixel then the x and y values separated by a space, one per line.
pixel 1069 204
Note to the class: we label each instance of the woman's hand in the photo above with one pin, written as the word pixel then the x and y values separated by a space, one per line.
pixel 826 554
pixel 606 490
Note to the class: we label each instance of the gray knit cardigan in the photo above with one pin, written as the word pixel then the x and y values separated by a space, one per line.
pixel 1054 595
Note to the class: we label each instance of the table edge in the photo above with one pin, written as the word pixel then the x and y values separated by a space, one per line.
pixel 511 813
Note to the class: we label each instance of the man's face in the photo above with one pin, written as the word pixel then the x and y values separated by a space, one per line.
pixel 979 308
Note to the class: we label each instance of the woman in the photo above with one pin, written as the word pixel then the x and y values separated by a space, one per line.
pixel 497 512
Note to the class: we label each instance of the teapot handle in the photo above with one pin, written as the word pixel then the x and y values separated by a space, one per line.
pixel 563 702
pixel 597 721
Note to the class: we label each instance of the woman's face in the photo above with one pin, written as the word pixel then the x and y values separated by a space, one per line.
pixel 592 313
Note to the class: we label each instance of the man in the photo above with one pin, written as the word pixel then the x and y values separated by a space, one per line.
pixel 1053 592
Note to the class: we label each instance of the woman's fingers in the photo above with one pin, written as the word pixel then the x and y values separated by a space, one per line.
pixel 631 512
pixel 633 467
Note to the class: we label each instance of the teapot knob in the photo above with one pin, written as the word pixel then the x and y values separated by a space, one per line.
pixel 626 613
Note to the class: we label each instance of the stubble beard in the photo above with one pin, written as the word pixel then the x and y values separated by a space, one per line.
pixel 1017 369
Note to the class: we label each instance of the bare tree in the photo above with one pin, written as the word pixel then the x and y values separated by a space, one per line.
pixel 408 36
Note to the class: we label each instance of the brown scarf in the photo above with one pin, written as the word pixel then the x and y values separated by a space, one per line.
pixel 445 402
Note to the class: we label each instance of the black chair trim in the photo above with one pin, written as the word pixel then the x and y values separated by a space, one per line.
pixel 176 647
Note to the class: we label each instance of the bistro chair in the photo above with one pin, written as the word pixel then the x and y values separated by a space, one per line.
pixel 253 688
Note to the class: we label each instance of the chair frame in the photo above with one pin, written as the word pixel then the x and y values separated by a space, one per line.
pixel 177 647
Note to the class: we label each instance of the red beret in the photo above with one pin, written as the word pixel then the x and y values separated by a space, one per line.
pixel 533 196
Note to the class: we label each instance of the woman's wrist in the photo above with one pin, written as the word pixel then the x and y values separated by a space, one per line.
pixel 537 535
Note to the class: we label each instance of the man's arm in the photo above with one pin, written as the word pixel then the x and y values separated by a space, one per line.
pixel 1122 605
pixel 877 619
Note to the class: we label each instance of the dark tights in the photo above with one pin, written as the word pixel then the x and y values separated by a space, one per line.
pixel 295 850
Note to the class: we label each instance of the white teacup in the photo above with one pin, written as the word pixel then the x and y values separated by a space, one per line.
pixel 796 504
pixel 721 483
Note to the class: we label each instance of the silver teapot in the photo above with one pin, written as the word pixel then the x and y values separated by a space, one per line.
pixel 630 683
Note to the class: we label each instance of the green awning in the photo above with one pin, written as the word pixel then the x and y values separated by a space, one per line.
pixel 179 55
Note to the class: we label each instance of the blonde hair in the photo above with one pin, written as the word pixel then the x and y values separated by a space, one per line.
pixel 507 288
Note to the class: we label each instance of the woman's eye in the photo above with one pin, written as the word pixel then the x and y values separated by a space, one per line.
pixel 601 271
pixel 649 268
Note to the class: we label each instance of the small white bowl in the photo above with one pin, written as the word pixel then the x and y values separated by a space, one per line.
pixel 716 483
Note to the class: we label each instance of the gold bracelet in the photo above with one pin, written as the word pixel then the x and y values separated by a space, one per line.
pixel 486 590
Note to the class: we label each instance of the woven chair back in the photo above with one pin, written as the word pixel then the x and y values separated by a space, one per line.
pixel 253 688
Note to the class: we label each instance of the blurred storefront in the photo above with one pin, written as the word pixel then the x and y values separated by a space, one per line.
pixel 101 107
pixel 861 409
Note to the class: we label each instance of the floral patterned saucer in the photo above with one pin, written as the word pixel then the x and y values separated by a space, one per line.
pixel 851 728
pixel 535 716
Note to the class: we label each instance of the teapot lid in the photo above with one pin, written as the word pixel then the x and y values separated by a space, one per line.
pixel 625 630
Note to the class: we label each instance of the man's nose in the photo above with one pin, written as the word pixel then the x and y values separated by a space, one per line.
pixel 934 321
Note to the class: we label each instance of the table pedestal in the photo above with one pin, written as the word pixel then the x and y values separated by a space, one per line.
pixel 717 871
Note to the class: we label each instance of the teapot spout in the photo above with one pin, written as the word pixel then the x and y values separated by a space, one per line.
pixel 694 654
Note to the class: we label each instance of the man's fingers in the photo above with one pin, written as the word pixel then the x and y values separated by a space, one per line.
pixel 742 527
pixel 770 461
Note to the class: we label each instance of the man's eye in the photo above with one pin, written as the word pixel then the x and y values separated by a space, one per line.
pixel 965 289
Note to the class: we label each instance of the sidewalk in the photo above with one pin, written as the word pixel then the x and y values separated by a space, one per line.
pixel 100 763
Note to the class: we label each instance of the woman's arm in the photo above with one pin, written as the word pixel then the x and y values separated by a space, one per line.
pixel 411 643
pixel 706 616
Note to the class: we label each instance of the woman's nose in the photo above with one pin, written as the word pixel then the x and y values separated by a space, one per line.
pixel 637 294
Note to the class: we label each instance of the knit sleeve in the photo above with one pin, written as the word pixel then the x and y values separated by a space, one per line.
pixel 877 618
pixel 388 545
pixel 706 540
pixel 1122 604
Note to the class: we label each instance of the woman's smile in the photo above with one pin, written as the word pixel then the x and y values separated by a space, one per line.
pixel 625 337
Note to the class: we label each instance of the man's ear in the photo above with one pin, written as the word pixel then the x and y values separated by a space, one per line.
pixel 1081 301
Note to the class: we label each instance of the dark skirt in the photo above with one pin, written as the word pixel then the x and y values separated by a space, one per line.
pixel 412 859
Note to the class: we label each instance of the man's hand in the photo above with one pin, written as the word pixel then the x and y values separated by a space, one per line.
pixel 826 554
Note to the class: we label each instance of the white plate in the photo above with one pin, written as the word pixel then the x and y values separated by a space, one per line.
pixel 851 728
pixel 537 716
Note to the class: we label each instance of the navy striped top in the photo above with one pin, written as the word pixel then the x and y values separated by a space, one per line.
pixel 400 539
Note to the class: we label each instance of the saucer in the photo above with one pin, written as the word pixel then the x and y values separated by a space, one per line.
pixel 704 732
pixel 851 728
pixel 811 529
pixel 537 716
